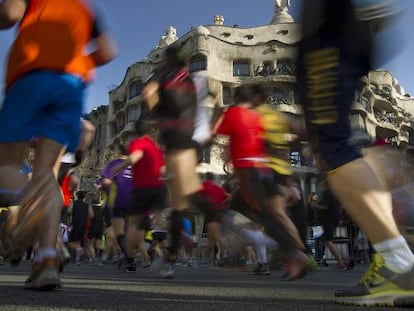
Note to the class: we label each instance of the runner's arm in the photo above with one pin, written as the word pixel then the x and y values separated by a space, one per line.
pixel 133 158
pixel 11 12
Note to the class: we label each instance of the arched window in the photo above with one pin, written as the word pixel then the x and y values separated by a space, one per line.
pixel 241 68
pixel 135 89
pixel 198 63
pixel 133 113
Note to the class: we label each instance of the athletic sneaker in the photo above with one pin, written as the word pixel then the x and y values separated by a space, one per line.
pixel 261 269
pixel 167 271
pixel 313 264
pixel 64 258
pixel 45 275
pixel 380 287
pixel 12 255
pixel 131 267
pixel 164 268
pixel 157 264
pixel 146 264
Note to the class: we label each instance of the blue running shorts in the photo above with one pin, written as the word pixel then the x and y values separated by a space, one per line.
pixel 43 104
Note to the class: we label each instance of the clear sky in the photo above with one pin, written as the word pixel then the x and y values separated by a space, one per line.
pixel 137 25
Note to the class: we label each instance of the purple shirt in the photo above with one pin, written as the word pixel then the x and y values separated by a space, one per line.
pixel 119 192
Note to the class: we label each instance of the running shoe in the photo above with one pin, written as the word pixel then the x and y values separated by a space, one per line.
pixel 313 264
pixel 380 286
pixel 167 272
pixel 261 269
pixel 64 258
pixel 339 267
pixel 131 267
pixel 45 275
pixel 157 264
pixel 164 268
pixel 146 264
pixel 12 255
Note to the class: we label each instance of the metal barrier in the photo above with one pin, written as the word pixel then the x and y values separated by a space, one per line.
pixel 351 242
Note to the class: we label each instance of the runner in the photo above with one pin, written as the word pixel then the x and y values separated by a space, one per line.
pixel 149 192
pixel 260 195
pixel 43 99
pixel 119 190
pixel 335 52
pixel 170 95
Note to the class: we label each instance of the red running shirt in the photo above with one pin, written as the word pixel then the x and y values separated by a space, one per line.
pixel 147 171
pixel 67 193
pixel 214 193
pixel 244 127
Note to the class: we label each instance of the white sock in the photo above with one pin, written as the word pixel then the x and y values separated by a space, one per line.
pixel 396 254
pixel 45 252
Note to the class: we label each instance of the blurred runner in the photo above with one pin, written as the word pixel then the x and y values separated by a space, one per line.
pixel 44 86
pixel 335 52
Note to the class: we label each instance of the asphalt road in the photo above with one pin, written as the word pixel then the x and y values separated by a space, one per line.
pixel 198 288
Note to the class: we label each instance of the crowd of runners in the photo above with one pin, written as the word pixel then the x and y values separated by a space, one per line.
pixel 153 185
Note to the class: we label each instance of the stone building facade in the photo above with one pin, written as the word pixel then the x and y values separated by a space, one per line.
pixel 383 109
pixel 231 56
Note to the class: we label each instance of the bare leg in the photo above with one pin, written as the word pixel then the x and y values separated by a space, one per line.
pixel 278 210
pixel 181 167
pixel 39 215
pixel 215 236
pixel 12 157
pixel 334 251
pixel 141 246
pixel 364 197
pixel 132 236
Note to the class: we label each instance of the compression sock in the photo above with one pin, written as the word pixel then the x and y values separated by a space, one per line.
pixel 176 231
pixel 121 239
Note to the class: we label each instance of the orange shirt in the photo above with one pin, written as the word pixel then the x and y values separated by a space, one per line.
pixel 53 35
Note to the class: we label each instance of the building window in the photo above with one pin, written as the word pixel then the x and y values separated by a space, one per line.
pixel 205 155
pixel 135 89
pixel 198 63
pixel 278 97
pixel 113 129
pixel 241 68
pixel 133 113
pixel 120 122
pixel 357 96
pixel 285 67
pixel 227 96
pixel 117 105
pixel 266 69
pixel 295 158
pixel 365 103
pixel 98 134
